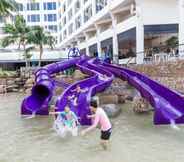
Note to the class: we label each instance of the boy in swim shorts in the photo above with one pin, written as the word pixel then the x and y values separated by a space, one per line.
pixel 101 118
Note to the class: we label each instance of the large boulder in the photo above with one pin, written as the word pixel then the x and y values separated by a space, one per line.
pixel 58 91
pixel 121 99
pixel 1 89
pixel 108 99
pixel 78 75
pixel 140 105
pixel 30 81
pixel 28 91
pixel 112 110
pixel 11 82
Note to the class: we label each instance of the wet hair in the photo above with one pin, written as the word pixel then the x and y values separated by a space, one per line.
pixel 94 103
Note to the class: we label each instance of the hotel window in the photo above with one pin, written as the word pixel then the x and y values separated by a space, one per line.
pixel 64 8
pixel 20 7
pixel 60 26
pixel 70 29
pixel 70 14
pixel 87 13
pixel 2 19
pixel 52 28
pixel 49 6
pixel 60 38
pixel 60 15
pixel 50 17
pixel 77 6
pixel 100 4
pixel 33 18
pixel 64 34
pixel 33 6
pixel 69 2
pixel 78 22
pixel 64 21
pixel 85 1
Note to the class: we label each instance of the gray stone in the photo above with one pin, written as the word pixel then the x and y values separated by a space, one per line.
pixel 10 82
pixel 108 99
pixel 112 110
pixel 121 99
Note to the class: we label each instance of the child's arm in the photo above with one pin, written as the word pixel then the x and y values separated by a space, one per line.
pixel 91 116
pixel 97 118
pixel 84 90
pixel 54 113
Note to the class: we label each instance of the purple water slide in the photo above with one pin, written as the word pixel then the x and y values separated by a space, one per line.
pixel 93 84
pixel 168 104
pixel 42 91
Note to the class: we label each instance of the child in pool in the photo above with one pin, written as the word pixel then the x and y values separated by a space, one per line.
pixel 66 121
pixel 101 118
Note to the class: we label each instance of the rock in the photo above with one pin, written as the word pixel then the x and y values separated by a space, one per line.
pixel 28 91
pixel 28 86
pixel 1 88
pixel 121 99
pixel 18 79
pixel 140 105
pixel 58 91
pixel 15 90
pixel 10 82
pixel 78 75
pixel 21 90
pixel 112 110
pixel 30 81
pixel 108 99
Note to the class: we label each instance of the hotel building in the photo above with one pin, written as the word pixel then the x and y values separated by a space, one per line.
pixel 123 28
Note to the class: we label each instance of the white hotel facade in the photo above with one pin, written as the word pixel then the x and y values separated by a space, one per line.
pixel 122 28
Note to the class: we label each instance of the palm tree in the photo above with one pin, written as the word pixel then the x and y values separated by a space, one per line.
pixel 16 33
pixel 40 38
pixel 6 6
pixel 27 55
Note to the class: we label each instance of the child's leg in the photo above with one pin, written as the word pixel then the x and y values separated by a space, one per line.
pixel 75 101
pixel 74 131
pixel 104 144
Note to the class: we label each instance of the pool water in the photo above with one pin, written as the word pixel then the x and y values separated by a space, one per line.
pixel 134 139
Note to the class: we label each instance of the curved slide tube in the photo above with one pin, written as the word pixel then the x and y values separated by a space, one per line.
pixel 93 85
pixel 168 104
pixel 42 91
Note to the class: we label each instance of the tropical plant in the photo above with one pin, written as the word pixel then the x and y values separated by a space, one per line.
pixel 172 42
pixel 17 33
pixel 27 55
pixel 40 38
pixel 6 6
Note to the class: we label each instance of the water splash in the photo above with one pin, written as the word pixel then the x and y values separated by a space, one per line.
pixel 33 115
pixel 173 125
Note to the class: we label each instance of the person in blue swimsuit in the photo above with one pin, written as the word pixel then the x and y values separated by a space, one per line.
pixel 66 121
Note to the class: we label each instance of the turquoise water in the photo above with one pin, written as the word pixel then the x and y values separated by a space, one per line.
pixel 134 139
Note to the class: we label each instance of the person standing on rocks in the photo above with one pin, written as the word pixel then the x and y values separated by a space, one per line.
pixel 100 117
